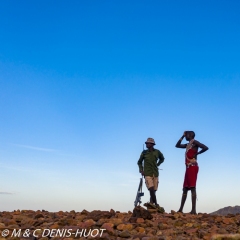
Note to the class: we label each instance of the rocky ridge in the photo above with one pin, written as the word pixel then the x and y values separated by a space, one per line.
pixel 227 210
pixel 106 225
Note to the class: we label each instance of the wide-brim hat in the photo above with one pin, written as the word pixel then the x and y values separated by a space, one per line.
pixel 150 140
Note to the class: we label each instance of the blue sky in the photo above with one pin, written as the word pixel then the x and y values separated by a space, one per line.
pixel 83 84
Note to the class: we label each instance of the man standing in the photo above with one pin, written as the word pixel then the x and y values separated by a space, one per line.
pixel 190 179
pixel 152 159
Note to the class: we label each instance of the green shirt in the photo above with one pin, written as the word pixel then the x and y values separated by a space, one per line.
pixel 151 162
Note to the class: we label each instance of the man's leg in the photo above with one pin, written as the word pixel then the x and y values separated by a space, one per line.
pixel 153 198
pixel 192 180
pixel 194 198
pixel 151 201
pixel 152 185
pixel 155 187
pixel 184 197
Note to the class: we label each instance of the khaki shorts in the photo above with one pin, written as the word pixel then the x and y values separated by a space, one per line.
pixel 151 182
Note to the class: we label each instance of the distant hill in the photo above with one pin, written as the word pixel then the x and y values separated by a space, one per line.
pixel 227 210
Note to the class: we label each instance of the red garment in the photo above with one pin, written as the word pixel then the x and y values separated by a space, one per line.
pixel 190 178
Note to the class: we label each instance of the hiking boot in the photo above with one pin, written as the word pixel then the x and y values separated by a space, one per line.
pixel 153 205
pixel 160 209
pixel 156 206
pixel 149 205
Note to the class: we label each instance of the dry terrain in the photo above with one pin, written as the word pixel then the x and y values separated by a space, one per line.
pixel 139 225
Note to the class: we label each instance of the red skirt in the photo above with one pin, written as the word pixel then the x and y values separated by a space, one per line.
pixel 190 179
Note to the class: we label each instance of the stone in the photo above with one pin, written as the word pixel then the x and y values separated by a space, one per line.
pixel 152 210
pixel 179 223
pixel 132 219
pixel 27 221
pixel 115 221
pixel 140 229
pixel 84 212
pixel 228 221
pixel 54 226
pixel 176 216
pixel 141 212
pixel 112 211
pixel 191 230
pixel 13 226
pixel 140 220
pixel 119 215
pixel 150 238
pixel 40 215
pixel 89 223
pixel 222 231
pixel 189 225
pixel 97 214
pixel 80 217
pixel 124 234
pixel 159 233
pixel 226 237
pixel 218 219
pixel 108 227
pixel 204 224
pixel 100 222
pixel 104 236
pixel 122 226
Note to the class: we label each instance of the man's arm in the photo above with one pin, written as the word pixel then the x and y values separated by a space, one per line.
pixel 140 163
pixel 161 158
pixel 200 145
pixel 178 144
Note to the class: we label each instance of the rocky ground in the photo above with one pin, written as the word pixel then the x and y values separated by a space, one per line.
pixel 138 225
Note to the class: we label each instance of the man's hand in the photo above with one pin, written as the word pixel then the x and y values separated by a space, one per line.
pixel 183 136
pixel 202 146
pixel 178 144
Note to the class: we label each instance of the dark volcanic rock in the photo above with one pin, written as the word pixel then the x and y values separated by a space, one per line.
pixel 140 212
pixel 97 214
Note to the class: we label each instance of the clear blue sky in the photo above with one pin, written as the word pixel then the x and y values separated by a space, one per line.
pixel 83 84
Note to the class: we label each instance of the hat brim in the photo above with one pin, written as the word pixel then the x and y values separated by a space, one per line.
pixel 151 143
